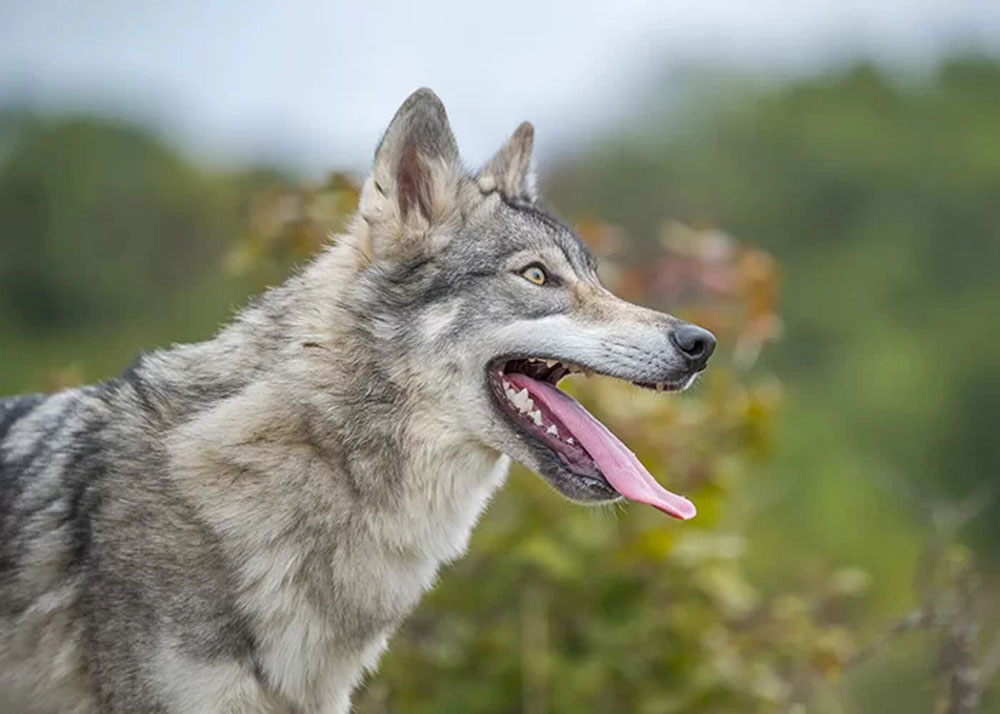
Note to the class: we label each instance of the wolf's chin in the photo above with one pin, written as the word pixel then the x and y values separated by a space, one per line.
pixel 583 488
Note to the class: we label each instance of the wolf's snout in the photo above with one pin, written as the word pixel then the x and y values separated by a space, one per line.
pixel 695 343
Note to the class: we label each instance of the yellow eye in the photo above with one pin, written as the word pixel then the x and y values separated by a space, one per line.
pixel 535 274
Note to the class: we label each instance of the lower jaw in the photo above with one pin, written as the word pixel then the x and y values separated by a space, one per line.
pixel 596 490
pixel 587 486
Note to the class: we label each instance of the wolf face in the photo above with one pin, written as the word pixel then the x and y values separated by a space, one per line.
pixel 495 301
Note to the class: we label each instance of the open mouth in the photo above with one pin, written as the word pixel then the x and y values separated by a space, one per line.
pixel 526 391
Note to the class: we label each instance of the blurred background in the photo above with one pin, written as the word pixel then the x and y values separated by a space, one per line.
pixel 819 183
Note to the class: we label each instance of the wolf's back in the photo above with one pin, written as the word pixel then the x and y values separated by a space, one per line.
pixel 47 463
pixel 35 435
pixel 100 557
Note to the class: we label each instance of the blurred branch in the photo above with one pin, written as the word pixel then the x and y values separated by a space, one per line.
pixel 947 585
pixel 916 620
pixel 991 661
pixel 534 645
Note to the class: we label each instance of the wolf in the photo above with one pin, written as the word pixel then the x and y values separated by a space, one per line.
pixel 239 525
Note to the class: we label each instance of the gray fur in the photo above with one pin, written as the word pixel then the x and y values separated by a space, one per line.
pixel 239 525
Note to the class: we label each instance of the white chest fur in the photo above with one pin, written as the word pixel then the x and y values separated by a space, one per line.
pixel 325 570
pixel 315 645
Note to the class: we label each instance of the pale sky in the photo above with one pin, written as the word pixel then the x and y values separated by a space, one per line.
pixel 314 82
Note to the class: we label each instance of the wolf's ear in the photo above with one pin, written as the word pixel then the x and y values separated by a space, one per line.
pixel 417 172
pixel 509 171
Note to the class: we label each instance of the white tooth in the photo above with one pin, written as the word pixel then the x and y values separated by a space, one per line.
pixel 552 430
pixel 550 363
pixel 506 384
pixel 569 440
pixel 537 416
pixel 521 399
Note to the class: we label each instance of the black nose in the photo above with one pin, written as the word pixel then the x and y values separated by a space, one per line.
pixel 694 343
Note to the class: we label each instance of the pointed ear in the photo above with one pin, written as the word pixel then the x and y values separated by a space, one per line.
pixel 417 170
pixel 509 171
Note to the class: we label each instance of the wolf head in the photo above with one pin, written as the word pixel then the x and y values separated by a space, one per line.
pixel 481 302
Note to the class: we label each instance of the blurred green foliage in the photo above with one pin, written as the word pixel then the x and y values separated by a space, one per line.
pixel 825 571
pixel 100 222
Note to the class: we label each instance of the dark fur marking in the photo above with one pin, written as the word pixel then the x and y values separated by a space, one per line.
pixel 252 654
pixel 407 272
pixel 557 225
pixel 535 212
pixel 41 445
pixel 132 376
pixel 83 473
pixel 11 411
pixel 16 471
pixel 13 408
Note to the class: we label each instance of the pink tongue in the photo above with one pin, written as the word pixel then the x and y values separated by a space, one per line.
pixel 618 464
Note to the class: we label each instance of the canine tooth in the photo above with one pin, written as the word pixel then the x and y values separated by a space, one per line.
pixel 537 416
pixel 569 440
pixel 552 430
pixel 550 363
